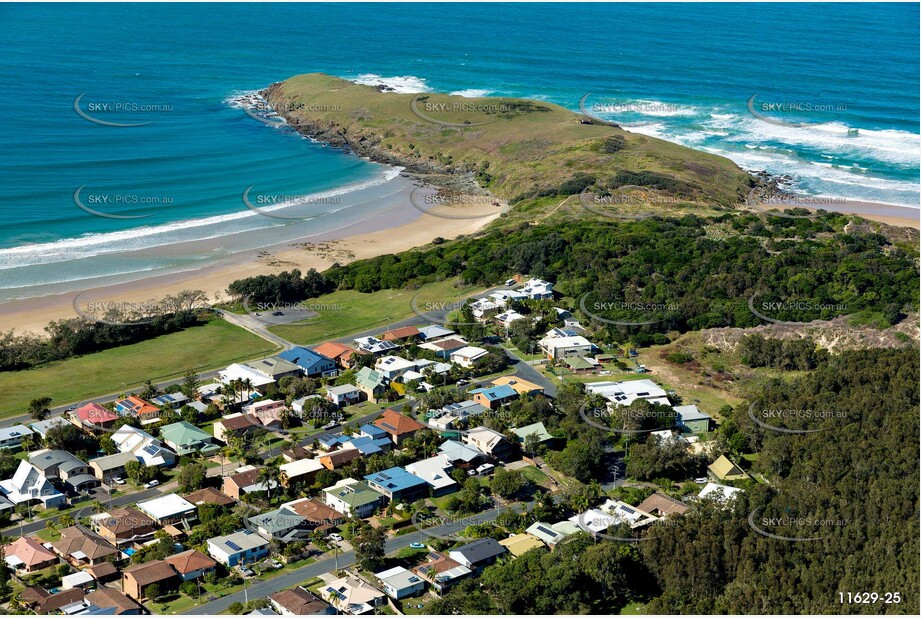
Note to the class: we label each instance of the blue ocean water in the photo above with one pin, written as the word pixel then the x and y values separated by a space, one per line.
pixel 683 72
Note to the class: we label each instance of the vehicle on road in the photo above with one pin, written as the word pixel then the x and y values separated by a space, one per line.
pixel 417 545
pixel 510 282
pixel 277 313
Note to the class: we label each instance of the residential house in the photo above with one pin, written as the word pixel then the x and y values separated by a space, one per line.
pixel 398 484
pixel 534 429
pixel 317 516
pixel 724 470
pixel 468 356
pixel 145 448
pixel 581 365
pixel 337 459
pixel 311 363
pixel 551 534
pixel 41 428
pixel 28 555
pixel 353 498
pixel 275 368
pixel 461 410
pixel 720 493
pixel 12 437
pixel 209 495
pixel 392 367
pixel 441 571
pixel 367 446
pixel 103 572
pixel 494 396
pixel 488 441
pixel 434 331
pixel 565 347
pixel 80 579
pixel 436 471
pixel 625 393
pixel 344 395
pixel 521 386
pixel 371 383
pixel 344 356
pixel 506 318
pixel 373 345
pixel 241 547
pixel 660 505
pixel 174 400
pixel 352 595
pixel 267 412
pixel 443 348
pixel 29 485
pixel 111 599
pixel 44 603
pixel 245 480
pixel 169 509
pixel 302 472
pixel 80 547
pixel 612 513
pixel 520 544
pixel 400 583
pixel 125 526
pixel 372 431
pixel 240 372
pixel 461 455
pixel 477 554
pixel 187 439
pixel 690 418
pixel 398 426
pixel 402 335
pixel 282 524
pixel 142 410
pixel 110 466
pixel 64 467
pixel 299 602
pixel 234 425
pixel 537 289
pixel 93 416
pixel 137 579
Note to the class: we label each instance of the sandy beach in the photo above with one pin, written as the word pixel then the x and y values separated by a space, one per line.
pixel 397 229
pixel 890 214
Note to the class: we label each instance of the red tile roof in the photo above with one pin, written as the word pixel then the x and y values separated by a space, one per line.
pixel 397 424
pixel 191 561
pixel 95 414
pixel 401 333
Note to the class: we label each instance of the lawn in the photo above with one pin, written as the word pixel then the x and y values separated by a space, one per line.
pixel 533 474
pixel 213 345
pixel 357 312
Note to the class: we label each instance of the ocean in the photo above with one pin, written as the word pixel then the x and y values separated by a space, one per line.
pixel 836 86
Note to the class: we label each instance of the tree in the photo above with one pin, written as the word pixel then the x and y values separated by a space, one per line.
pixel 40 408
pixel 507 483
pixel 369 548
pixel 190 384
pixel 152 591
pixel 192 477
pixel 271 476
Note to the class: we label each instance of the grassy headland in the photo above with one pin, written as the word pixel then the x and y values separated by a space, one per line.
pixel 515 148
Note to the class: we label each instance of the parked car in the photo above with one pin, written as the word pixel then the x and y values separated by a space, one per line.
pixel 417 545
pixel 248 572
pixel 276 564
pixel 152 483
pixel 701 480
pixel 510 282
pixel 335 537
pixel 118 480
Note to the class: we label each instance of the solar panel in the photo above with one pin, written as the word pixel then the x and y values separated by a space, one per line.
pixel 389 426
pixel 384 476
pixel 546 531
pixel 627 509
pixel 150 449
pixel 413 579
pixel 233 546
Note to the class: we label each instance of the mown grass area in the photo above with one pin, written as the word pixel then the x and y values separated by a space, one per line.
pixel 210 346
pixel 533 474
pixel 360 312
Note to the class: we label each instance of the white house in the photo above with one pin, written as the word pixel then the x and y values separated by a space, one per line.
pixel 244 546
pixel 625 393
pixel 436 471
pixel 566 347
pixel 30 485
pixel 392 367
pixel 506 318
pixel 537 289
pixel 467 356
pixel 373 345
pixel 239 371
pixel 147 449
pixel 11 437
pixel 721 493
pixel 399 583
pixel 344 395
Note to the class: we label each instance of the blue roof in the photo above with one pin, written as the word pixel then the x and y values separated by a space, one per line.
pixel 372 430
pixel 395 479
pixel 304 358
pixel 496 392
pixel 327 438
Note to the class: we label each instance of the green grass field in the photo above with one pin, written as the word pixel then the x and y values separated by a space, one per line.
pixel 360 312
pixel 213 345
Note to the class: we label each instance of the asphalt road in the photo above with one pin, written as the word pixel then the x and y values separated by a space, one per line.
pixel 262 589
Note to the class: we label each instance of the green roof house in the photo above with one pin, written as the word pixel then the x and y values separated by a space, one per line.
pixel 186 439
pixel 535 428
pixel 371 383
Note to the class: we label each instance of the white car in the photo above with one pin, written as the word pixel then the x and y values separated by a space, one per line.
pixel 152 483
pixel 118 480
pixel 485 469
pixel 510 282
pixel 335 537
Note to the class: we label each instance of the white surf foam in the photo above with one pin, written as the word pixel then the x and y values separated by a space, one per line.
pixel 403 84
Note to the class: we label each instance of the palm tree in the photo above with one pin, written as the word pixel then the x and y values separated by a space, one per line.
pixel 230 393
pixel 270 475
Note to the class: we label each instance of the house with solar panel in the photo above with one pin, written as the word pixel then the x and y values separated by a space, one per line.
pixel 311 363
pixel 494 396
pixel 398 484
pixel 372 383
pixel 353 498
pixel 241 547
pixel 64 467
pixel 145 448
pixel 400 583
pixel 11 437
